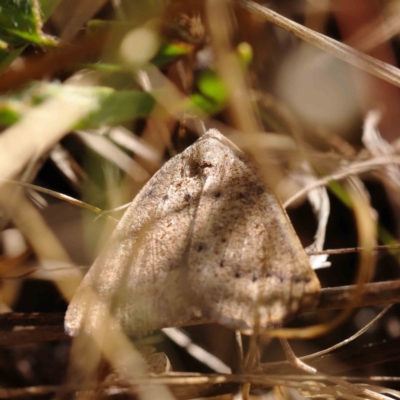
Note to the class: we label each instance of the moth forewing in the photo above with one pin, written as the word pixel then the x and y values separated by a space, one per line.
pixel 204 238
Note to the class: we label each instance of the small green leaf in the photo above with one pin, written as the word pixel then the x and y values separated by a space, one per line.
pixel 212 86
pixel 213 94
pixel 204 104
pixel 245 53
pixel 169 52
pixel 21 22
pixel 8 113
pixel 103 67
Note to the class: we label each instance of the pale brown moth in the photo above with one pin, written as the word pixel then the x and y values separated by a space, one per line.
pixel 204 238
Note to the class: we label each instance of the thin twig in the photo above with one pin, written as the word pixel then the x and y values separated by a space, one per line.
pixel 374 294
pixel 346 359
pixel 353 250
pixel 340 344
pixel 60 196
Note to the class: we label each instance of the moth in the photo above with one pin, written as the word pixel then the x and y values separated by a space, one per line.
pixel 204 239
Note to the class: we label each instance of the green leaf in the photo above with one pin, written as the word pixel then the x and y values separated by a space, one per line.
pixel 213 87
pixel 21 22
pixel 8 113
pixel 12 40
pixel 213 94
pixel 103 67
pixel 204 104
pixel 118 107
pixel 47 7
pixel 114 107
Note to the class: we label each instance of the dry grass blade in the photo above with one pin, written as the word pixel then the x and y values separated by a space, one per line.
pixel 183 340
pixel 112 343
pixel 340 50
pixel 137 145
pixel 352 169
pixel 353 249
pixel 64 162
pixel 320 204
pixel 367 234
pixel 182 387
pixel 29 139
pixel 40 129
pixel 110 151
pixel 340 344
pixel 62 197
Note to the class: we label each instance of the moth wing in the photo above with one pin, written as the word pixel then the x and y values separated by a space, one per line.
pixel 203 238
pixel 139 276
pixel 245 257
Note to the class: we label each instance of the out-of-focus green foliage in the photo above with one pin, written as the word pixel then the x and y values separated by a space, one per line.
pixel 212 95
pixel 47 7
pixel 21 24
pixel 245 53
pixel 169 52
pixel 114 107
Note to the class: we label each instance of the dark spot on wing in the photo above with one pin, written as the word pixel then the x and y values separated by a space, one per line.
pixel 298 279
pixel 200 247
pixel 221 263
pixel 188 197
pixel 260 190
pixel 217 195
pixel 165 197
pixel 193 168
pixel 254 279
pixel 237 274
